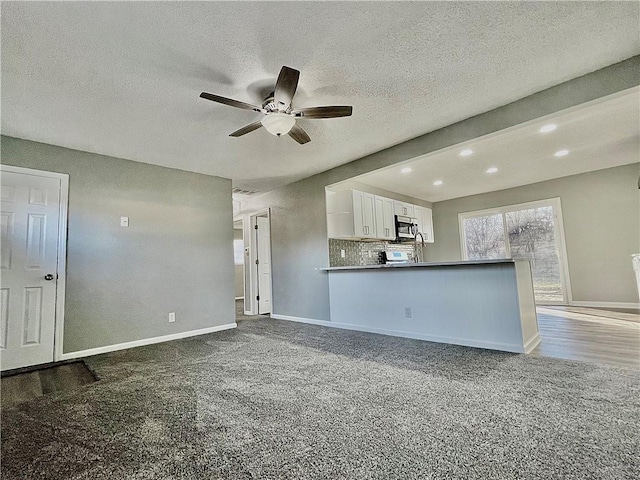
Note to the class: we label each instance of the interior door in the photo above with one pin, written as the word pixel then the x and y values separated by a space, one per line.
pixel 263 235
pixel 30 222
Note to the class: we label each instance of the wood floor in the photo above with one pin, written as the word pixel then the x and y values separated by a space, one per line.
pixel 22 387
pixel 590 335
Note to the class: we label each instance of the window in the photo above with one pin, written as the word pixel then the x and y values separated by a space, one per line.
pixel 531 231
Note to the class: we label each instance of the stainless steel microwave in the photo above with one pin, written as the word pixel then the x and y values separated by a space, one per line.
pixel 406 227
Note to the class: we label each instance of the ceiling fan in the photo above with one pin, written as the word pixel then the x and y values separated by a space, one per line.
pixel 279 115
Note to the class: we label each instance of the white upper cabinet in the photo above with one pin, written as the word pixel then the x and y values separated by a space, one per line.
pixel 364 214
pixel 351 214
pixel 403 208
pixel 425 222
pixel 360 215
pixel 385 218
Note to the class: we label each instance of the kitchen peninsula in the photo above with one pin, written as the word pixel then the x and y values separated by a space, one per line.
pixel 486 303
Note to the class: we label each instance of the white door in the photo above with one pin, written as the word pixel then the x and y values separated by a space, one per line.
pixel 30 222
pixel 263 236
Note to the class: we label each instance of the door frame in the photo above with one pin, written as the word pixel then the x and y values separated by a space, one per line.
pixel 61 265
pixel 251 276
pixel 559 227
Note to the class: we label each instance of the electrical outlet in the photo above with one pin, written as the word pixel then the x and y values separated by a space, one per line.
pixel 343 253
pixel 407 312
pixel 172 317
pixel 124 221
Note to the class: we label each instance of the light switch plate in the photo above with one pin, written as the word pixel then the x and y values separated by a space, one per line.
pixel 124 221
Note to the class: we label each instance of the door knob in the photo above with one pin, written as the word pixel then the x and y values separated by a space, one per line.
pixel 49 277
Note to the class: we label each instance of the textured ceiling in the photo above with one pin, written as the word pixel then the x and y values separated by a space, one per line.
pixel 123 78
pixel 602 134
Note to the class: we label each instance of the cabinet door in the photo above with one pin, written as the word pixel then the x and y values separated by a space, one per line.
pixel 368 214
pixel 425 222
pixel 402 208
pixel 358 214
pixel 390 219
pixel 410 209
pixel 398 208
pixel 385 219
pixel 364 224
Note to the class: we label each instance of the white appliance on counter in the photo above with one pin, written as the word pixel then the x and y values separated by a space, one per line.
pixel 394 257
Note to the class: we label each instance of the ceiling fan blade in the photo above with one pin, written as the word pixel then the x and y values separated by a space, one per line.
pixel 325 112
pixel 299 135
pixel 286 87
pixel 246 129
pixel 230 102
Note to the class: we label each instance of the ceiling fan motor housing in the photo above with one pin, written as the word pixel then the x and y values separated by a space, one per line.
pixel 269 104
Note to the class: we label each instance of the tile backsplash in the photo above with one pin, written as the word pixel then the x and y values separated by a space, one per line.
pixel 362 253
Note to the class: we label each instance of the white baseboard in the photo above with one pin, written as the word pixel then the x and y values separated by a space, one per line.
pixel 416 336
pixel 145 341
pixel 312 321
pixel 606 304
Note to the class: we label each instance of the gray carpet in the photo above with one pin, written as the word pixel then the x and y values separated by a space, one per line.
pixel 279 400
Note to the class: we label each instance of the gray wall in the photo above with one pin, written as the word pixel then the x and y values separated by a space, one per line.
pixel 601 212
pixel 298 246
pixel 176 255
pixel 298 216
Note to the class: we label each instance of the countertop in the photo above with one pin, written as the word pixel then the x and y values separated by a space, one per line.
pixel 422 265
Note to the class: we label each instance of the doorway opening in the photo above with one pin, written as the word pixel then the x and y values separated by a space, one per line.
pixel 257 272
pixel 239 266
pixel 528 231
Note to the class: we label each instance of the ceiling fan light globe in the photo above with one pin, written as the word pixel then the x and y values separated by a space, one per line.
pixel 278 123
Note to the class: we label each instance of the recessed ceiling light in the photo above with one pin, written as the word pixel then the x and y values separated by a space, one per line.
pixel 561 153
pixel 548 128
pixel 466 152
pixel 437 182
pixel 492 170
pixel 406 170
